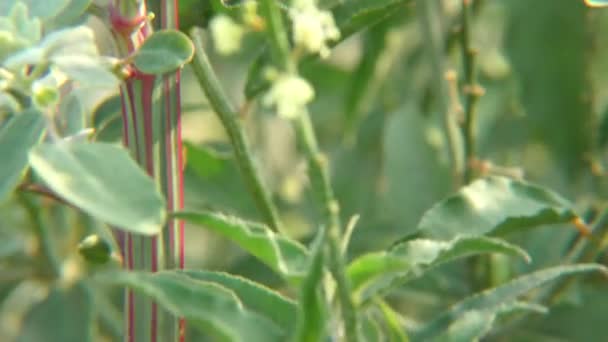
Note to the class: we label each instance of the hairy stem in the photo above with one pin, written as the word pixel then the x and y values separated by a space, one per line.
pixel 229 118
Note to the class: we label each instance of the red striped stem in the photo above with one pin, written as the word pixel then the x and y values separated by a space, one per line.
pixel 151 119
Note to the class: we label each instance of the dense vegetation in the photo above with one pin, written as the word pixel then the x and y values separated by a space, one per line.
pixel 303 170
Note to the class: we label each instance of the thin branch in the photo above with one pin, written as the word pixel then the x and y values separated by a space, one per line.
pixel 317 169
pixel 470 89
pixel 433 37
pixel 230 120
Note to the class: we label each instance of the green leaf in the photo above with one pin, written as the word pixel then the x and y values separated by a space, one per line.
pixel 415 173
pixel 475 324
pixel 282 254
pixel 539 78
pixel 17 137
pixel 88 71
pixel 107 120
pixel 396 331
pixel 71 41
pixel 471 326
pixel 254 296
pixel 354 15
pixel 205 304
pixel 494 205
pixel 493 300
pixel 65 315
pixel 164 51
pixel 104 181
pixel 311 306
pixel 377 271
pixel 43 9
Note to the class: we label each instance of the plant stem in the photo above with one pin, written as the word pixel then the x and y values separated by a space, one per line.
pixel 151 121
pixel 594 245
pixel 317 170
pixel 278 34
pixel 433 37
pixel 229 118
pixel 471 90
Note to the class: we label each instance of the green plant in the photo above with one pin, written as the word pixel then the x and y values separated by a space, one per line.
pixel 413 154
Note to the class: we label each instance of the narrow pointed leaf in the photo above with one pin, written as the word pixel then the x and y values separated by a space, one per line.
pixel 354 15
pixel 163 52
pixel 395 330
pixel 282 254
pixel 205 304
pixel 104 181
pixel 311 307
pixel 254 296
pixel 17 137
pixel 492 300
pixel 494 205
pixel 377 271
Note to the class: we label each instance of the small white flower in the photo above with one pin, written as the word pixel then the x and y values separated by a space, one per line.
pixel 226 34
pixel 312 28
pixel 290 94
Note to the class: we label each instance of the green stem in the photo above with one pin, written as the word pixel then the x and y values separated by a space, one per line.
pixel 42 232
pixel 594 245
pixel 278 34
pixel 319 177
pixel 317 169
pixel 229 118
pixel 433 37
pixel 470 89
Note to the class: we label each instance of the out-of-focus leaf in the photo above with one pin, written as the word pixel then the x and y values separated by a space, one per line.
pixel 87 71
pixel 254 296
pixel 311 306
pixel 72 41
pixel 416 175
pixel 164 51
pixel 71 116
pixel 354 15
pixel 564 78
pixel 396 331
pixel 202 303
pixel 492 300
pixel 104 181
pixel 285 256
pixel 36 8
pixel 70 14
pixel 17 137
pixel 107 120
pixel 494 205
pixel 475 324
pixel 471 326
pixel 370 329
pixel 65 315
pixel 377 271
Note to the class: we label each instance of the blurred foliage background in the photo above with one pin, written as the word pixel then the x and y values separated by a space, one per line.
pixel 544 115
